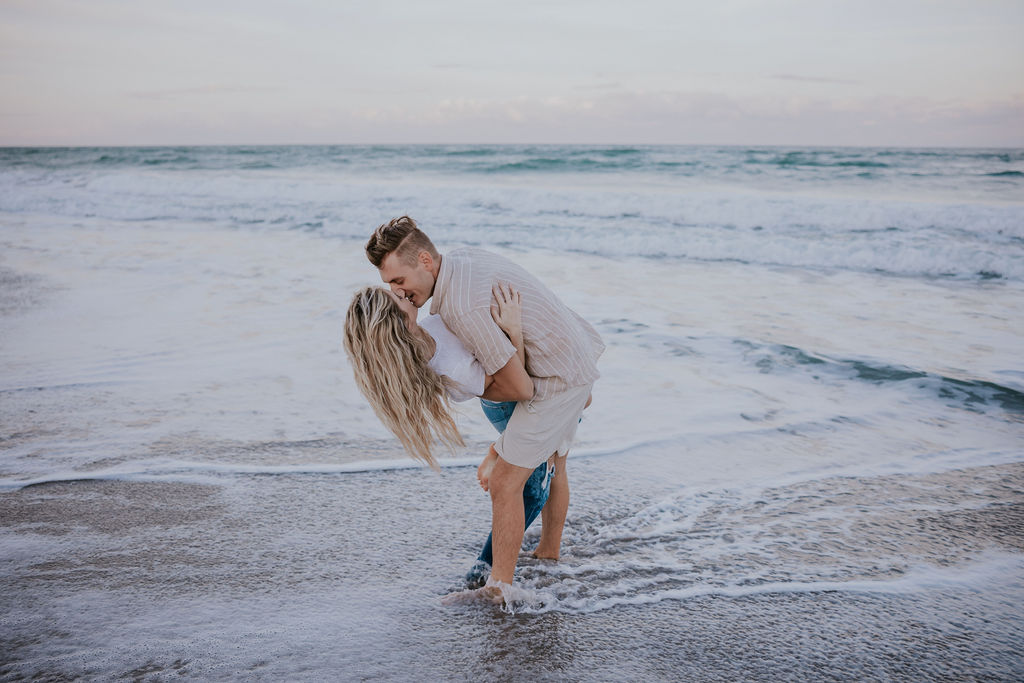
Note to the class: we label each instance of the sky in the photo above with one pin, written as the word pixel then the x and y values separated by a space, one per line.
pixel 786 72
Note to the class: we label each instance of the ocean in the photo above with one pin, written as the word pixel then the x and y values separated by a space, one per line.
pixel 804 458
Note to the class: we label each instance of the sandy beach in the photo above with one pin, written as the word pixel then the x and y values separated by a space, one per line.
pixel 282 577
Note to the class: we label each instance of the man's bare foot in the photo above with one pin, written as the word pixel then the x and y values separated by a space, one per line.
pixel 539 554
pixel 483 472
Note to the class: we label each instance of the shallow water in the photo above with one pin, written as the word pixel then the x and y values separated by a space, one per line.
pixel 898 576
pixel 803 459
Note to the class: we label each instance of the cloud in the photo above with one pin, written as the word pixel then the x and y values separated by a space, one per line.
pixel 814 79
pixel 599 86
pixel 574 117
pixel 700 118
pixel 203 90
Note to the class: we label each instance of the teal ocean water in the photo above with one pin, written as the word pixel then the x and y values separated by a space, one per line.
pixel 918 212
pixel 805 456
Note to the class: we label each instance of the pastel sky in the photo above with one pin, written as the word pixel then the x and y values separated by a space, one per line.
pixel 790 72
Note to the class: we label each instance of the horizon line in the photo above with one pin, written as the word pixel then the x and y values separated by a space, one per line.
pixel 501 144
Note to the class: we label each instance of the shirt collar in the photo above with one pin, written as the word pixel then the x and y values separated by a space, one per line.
pixel 444 277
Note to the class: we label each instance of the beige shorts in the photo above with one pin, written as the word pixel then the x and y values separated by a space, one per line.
pixel 537 429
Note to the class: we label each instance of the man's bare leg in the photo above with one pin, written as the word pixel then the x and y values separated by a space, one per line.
pixel 507 517
pixel 553 514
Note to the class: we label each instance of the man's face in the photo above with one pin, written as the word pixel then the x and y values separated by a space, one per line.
pixel 414 281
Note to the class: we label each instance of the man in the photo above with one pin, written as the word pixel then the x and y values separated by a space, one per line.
pixel 561 366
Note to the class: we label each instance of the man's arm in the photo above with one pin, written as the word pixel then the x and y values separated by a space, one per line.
pixel 511 383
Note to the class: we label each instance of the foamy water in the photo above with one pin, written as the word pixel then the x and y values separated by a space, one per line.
pixel 811 411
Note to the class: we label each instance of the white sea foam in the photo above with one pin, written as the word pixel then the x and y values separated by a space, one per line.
pixel 982 573
pixel 818 219
pixel 156 469
pixel 202 341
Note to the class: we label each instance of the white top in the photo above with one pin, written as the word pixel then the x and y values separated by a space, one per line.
pixel 452 360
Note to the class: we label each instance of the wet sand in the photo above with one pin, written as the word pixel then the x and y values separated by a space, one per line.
pixel 341 576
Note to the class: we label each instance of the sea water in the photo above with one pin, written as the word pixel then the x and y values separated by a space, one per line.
pixel 805 456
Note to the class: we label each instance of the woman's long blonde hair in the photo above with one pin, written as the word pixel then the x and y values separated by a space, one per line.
pixel 391 370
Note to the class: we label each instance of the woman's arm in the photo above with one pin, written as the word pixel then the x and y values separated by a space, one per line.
pixel 512 382
pixel 507 311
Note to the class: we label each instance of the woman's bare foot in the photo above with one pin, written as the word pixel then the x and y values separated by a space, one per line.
pixel 483 472
pixel 491 595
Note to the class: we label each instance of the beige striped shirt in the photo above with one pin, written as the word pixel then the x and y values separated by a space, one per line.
pixel 561 347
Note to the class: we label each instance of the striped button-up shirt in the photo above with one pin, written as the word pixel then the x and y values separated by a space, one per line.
pixel 561 347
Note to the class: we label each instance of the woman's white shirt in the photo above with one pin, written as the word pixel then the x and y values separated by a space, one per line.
pixel 452 360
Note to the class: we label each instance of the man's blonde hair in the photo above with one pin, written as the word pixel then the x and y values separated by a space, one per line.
pixel 392 372
pixel 401 236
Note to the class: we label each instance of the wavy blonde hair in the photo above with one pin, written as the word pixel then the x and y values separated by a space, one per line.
pixel 391 370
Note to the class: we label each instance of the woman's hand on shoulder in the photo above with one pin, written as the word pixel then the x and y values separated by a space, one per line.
pixel 507 310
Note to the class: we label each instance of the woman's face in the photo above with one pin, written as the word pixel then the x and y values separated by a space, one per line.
pixel 407 307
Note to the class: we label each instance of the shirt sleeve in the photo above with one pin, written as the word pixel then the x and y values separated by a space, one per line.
pixel 484 339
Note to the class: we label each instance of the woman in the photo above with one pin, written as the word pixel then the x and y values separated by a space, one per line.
pixel 410 373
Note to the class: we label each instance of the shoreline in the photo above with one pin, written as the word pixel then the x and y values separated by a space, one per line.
pixel 102 578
